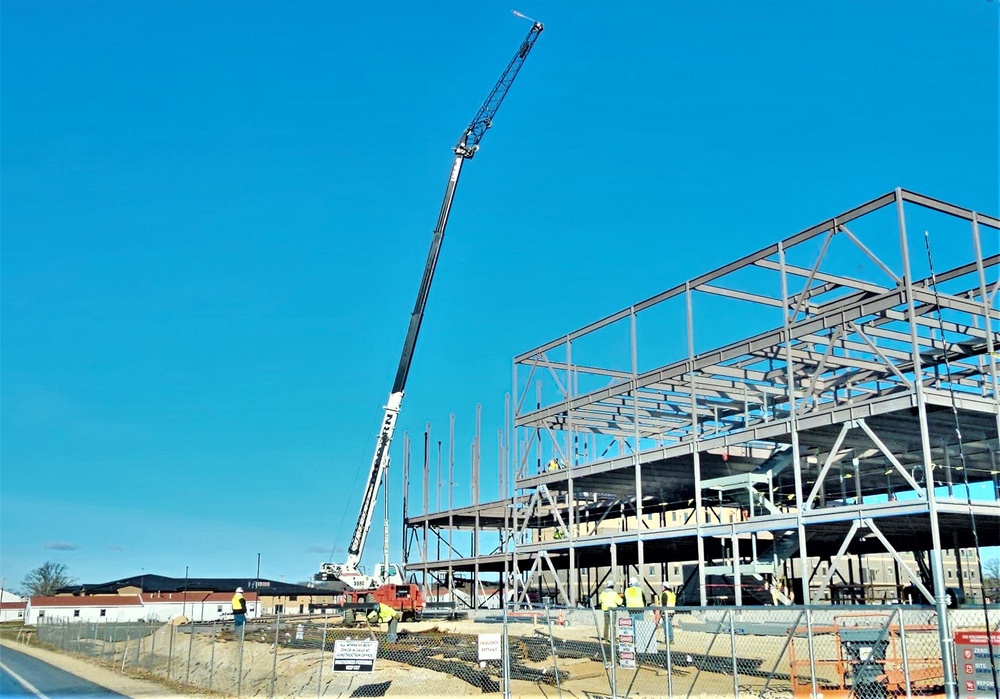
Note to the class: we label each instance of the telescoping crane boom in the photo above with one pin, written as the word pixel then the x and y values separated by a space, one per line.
pixel 465 149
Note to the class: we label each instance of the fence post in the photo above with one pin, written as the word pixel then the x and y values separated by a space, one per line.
pixel 812 651
pixel 128 633
pixel 274 665
pixel 505 672
pixel 600 636
pixel 187 675
pixel 152 649
pixel 239 678
pixel 614 651
pixel 170 650
pixel 732 644
pixel 211 662
pixel 552 646
pixel 668 622
pixel 322 652
pixel 902 651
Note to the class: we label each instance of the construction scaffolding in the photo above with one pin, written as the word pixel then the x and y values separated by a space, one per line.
pixel 825 397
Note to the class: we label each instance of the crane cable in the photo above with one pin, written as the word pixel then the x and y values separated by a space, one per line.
pixel 961 454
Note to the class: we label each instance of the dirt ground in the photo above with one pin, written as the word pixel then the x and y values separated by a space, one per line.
pixel 435 659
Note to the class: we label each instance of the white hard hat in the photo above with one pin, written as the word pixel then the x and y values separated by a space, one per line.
pixel 609 583
pixel 239 589
pixel 634 582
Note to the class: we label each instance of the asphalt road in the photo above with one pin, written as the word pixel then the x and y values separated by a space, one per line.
pixel 24 676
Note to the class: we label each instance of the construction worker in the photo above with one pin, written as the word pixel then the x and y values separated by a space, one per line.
pixel 668 600
pixel 239 610
pixel 382 614
pixel 609 600
pixel 635 599
pixel 553 465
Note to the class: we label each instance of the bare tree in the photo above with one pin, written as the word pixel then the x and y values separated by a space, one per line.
pixel 46 579
pixel 991 579
pixel 991 570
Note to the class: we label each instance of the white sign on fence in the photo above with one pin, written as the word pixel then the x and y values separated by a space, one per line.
pixel 626 643
pixel 354 656
pixel 490 646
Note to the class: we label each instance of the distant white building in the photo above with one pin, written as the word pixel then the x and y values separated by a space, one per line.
pixel 95 608
pixel 196 606
pixel 12 607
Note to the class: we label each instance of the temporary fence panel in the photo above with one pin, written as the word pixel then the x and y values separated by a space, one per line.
pixel 787 652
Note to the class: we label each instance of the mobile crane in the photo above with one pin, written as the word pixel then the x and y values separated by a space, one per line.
pixel 386 573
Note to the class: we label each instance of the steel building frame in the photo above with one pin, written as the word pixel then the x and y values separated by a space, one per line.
pixel 843 395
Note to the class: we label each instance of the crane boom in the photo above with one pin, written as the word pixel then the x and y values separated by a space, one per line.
pixel 465 149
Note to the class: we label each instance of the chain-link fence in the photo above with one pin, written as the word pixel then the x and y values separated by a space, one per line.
pixel 865 652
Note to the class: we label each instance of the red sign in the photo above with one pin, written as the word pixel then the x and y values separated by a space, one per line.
pixel 977 638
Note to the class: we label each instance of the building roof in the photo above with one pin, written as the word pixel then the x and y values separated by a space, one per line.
pixel 14 605
pixel 162 584
pixel 194 597
pixel 88 601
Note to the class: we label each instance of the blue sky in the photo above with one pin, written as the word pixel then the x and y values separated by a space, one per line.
pixel 215 216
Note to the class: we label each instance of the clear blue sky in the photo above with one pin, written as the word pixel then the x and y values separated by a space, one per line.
pixel 215 216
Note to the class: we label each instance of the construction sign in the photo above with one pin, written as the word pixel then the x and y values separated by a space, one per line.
pixel 626 642
pixel 976 663
pixel 354 656
pixel 490 646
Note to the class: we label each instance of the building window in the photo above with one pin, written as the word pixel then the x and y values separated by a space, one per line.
pixel 76 612
pixel 652 570
pixel 104 612
pixel 279 608
pixel 41 614
pixel 293 598
pixel 950 573
pixel 20 615
pixel 219 609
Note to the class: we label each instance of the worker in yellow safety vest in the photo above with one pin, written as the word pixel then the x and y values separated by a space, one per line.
pixel 668 600
pixel 609 600
pixel 635 599
pixel 239 606
pixel 382 613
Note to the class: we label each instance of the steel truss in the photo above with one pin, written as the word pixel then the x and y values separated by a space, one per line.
pixel 821 410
